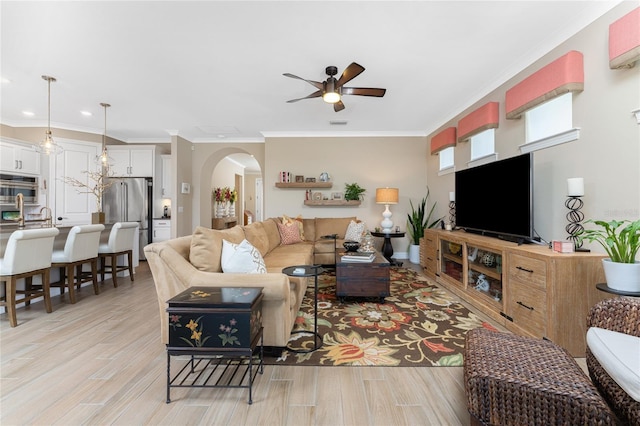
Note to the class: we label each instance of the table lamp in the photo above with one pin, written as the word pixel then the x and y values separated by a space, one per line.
pixel 386 196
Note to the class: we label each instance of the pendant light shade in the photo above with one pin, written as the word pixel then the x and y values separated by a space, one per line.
pixel 48 145
pixel 104 159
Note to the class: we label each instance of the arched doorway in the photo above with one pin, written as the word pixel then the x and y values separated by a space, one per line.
pixel 238 172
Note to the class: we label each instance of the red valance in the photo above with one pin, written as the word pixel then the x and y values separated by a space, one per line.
pixel 483 118
pixel 444 139
pixel 624 40
pixel 565 74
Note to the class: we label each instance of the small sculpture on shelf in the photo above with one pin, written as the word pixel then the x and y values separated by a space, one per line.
pixel 482 284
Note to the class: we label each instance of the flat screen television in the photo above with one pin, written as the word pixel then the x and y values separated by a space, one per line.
pixel 496 199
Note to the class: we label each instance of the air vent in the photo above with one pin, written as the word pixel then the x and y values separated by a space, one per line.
pixel 338 122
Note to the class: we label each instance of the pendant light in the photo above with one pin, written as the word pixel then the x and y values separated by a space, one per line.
pixel 104 159
pixel 48 145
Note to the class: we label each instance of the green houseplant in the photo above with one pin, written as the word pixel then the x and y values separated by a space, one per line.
pixel 417 221
pixel 353 191
pixel 621 240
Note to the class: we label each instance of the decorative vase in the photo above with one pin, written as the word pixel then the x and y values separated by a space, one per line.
pixel 414 253
pixel 97 217
pixel 232 209
pixel 219 209
pixel 622 276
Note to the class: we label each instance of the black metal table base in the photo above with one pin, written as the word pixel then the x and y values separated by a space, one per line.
pixel 316 345
pixel 213 369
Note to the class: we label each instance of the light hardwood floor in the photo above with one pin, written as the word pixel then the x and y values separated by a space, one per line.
pixel 101 362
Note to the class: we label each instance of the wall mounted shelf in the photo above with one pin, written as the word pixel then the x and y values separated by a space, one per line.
pixel 304 184
pixel 332 203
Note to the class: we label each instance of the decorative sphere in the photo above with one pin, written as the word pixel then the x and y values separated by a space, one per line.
pixel 488 259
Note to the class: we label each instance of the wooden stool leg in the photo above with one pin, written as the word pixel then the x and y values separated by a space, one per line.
pixel 94 275
pixel 102 266
pixel 46 279
pixel 11 301
pixel 130 259
pixel 114 269
pixel 28 289
pixel 70 283
pixel 63 277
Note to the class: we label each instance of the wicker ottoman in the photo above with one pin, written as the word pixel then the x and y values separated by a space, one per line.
pixel 516 380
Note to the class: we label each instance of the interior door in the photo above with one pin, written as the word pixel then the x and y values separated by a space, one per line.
pixel 72 206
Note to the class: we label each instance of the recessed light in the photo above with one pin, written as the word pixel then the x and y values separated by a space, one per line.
pixel 86 113
pixel 5 80
pixel 28 113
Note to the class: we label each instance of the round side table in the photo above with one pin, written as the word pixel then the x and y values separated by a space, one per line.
pixel 604 287
pixel 387 248
pixel 308 271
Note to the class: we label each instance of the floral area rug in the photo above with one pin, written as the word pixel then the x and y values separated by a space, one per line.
pixel 418 325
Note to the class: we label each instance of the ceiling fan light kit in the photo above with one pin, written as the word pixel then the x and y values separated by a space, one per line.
pixel 332 90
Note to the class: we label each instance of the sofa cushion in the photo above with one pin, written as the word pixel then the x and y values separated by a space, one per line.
pixel 309 226
pixel 619 355
pixel 328 226
pixel 273 235
pixel 241 258
pixel 257 236
pixel 206 246
pixel 289 234
pixel 355 230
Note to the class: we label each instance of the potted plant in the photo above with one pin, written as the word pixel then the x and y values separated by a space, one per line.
pixel 417 221
pixel 621 240
pixel 353 191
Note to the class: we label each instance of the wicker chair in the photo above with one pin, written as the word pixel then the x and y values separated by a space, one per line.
pixel 621 314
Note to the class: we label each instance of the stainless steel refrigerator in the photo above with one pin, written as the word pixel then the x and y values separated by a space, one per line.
pixel 130 200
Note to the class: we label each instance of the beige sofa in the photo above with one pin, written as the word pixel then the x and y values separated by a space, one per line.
pixel 194 260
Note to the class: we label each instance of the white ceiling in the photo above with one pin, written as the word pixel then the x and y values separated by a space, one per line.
pixel 211 71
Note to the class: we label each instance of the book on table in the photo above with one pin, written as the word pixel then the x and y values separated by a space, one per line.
pixel 358 257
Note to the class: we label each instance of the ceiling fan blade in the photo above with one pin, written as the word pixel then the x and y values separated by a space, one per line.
pixel 317 84
pixel 338 106
pixel 363 91
pixel 349 73
pixel 315 94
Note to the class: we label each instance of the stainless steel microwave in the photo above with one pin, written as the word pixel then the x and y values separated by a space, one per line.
pixel 12 185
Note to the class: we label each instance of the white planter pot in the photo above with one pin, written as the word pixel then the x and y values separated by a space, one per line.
pixel 622 276
pixel 414 253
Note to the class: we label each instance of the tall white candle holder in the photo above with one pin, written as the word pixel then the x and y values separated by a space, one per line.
pixel 575 190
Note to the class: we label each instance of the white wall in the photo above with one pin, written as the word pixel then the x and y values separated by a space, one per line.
pixel 607 155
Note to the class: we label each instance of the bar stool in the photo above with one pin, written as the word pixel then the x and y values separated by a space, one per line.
pixel 28 253
pixel 80 248
pixel 121 240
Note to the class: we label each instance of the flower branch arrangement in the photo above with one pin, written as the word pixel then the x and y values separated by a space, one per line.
pixel 96 184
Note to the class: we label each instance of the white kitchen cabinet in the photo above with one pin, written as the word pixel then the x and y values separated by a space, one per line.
pixel 137 161
pixel 19 159
pixel 167 176
pixel 161 230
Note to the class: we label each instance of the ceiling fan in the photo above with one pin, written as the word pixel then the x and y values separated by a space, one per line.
pixel 332 90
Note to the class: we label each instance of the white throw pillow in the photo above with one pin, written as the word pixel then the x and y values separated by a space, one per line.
pixel 241 258
pixel 355 231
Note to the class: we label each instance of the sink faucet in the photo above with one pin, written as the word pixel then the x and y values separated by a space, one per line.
pixel 20 206
pixel 48 220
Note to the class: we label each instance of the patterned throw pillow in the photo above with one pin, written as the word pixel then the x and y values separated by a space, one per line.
pixel 355 231
pixel 289 234
pixel 286 220
pixel 241 258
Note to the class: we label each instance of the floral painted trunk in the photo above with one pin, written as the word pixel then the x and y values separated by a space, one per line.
pixel 227 318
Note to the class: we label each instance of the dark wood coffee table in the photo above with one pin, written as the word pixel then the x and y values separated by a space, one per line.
pixel 362 279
